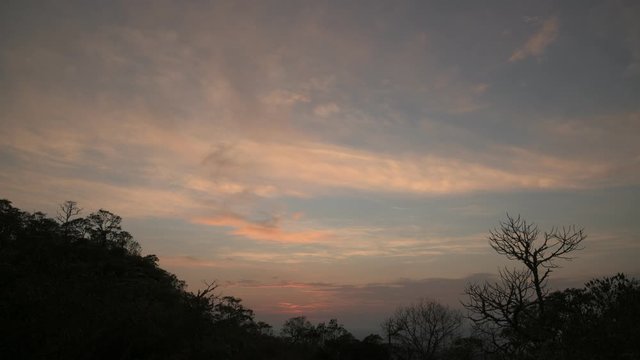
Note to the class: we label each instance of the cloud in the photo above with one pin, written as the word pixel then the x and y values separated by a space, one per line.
pixel 265 230
pixel 188 262
pixel 332 245
pixel 310 168
pixel 300 309
pixel 538 42
pixel 166 114
pixel 632 37
pixel 326 110
pixel 282 97
pixel 606 142
pixel 361 307
pixel 227 115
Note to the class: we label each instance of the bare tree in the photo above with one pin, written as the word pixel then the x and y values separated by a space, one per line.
pixel 516 239
pixel 510 310
pixel 422 330
pixel 70 223
pixel 66 212
pixel 500 311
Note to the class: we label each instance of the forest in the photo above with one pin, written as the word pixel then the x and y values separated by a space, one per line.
pixel 78 287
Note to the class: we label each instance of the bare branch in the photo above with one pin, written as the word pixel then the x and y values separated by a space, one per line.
pixel 422 328
pixel 517 300
pixel 66 211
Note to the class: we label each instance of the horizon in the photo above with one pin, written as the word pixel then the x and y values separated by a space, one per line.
pixel 327 159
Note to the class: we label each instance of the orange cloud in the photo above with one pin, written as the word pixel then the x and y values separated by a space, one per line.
pixel 187 262
pixel 291 308
pixel 263 230
pixel 538 42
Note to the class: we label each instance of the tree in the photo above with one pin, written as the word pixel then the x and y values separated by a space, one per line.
pixel 326 340
pixel 66 212
pixel 372 347
pixel 422 330
pixel 297 329
pixel 511 311
pixel 331 332
pixel 104 227
pixel 71 225
pixel 229 310
pixel 599 321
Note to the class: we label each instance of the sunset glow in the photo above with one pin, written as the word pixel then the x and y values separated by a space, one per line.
pixel 329 159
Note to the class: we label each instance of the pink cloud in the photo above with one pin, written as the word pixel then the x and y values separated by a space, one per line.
pixel 270 230
pixel 538 42
pixel 292 308
pixel 187 262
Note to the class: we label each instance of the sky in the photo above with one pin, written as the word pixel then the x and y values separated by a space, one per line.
pixel 329 158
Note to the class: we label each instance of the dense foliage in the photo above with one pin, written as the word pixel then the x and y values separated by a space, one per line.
pixel 599 321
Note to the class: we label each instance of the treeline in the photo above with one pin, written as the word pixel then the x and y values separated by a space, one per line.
pixel 77 288
pixel 74 287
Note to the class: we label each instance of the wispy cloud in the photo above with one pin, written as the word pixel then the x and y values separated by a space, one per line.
pixel 188 262
pixel 208 127
pixel 300 309
pixel 325 110
pixel 333 244
pixel 265 230
pixel 218 123
pixel 538 42
pixel 372 300
pixel 312 168
pixel 281 97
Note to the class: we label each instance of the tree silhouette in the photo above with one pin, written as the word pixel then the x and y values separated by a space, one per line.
pixel 422 330
pixel 599 321
pixel 66 212
pixel 298 330
pixel 78 288
pixel 328 341
pixel 104 227
pixel 510 312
